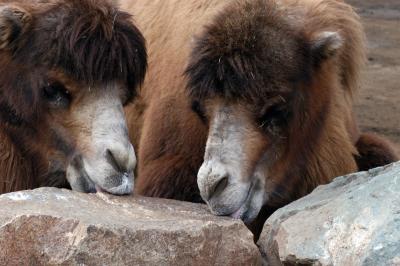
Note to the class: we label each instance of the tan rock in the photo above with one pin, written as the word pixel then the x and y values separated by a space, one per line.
pixel 51 227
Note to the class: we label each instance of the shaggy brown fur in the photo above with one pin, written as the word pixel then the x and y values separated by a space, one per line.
pixel 83 41
pixel 255 51
pixel 249 52
pixel 169 138
pixel 374 151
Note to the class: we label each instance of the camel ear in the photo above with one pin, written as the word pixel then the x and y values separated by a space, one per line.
pixel 13 21
pixel 325 45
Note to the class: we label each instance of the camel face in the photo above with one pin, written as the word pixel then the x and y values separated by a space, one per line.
pixel 258 90
pixel 89 134
pixel 229 179
pixel 250 128
pixel 67 70
pixel 242 145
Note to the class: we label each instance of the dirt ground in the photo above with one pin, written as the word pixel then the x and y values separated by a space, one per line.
pixel 378 104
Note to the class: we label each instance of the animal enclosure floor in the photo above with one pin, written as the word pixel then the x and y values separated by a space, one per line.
pixel 378 107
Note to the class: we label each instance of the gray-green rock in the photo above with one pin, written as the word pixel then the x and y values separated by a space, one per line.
pixel 355 220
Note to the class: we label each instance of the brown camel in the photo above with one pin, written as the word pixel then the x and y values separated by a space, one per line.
pixel 67 67
pixel 248 104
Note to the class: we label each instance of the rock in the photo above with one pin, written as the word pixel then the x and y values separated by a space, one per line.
pixel 48 226
pixel 355 220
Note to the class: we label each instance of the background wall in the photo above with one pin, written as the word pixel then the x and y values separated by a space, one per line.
pixel 378 107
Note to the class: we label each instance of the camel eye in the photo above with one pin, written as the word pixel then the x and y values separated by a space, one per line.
pixel 57 95
pixel 273 116
pixel 199 110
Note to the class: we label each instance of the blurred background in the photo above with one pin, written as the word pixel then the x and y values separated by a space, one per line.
pixel 378 104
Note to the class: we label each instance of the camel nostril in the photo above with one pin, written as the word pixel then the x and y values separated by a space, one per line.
pixel 219 186
pixel 116 164
pixel 121 158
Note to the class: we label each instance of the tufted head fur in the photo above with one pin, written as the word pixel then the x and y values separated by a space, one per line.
pixel 57 58
pixel 267 77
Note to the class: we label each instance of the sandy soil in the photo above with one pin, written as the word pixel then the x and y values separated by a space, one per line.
pixel 378 104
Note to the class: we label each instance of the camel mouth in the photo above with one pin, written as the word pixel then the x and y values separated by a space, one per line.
pixel 117 183
pixel 243 212
pixel 246 206
pixel 246 209
pixel 124 188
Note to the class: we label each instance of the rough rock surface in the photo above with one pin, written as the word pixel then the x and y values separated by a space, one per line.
pixel 353 221
pixel 52 227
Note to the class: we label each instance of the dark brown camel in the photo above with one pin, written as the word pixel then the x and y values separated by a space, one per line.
pixel 67 67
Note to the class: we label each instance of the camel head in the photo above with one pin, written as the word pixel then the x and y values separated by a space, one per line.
pixel 252 83
pixel 67 68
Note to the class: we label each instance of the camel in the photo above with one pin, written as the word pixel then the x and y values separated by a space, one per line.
pixel 67 68
pixel 248 105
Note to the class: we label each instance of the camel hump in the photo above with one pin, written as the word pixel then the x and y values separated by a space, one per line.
pixel 374 151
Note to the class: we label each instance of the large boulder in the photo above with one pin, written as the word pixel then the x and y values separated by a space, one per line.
pixel 48 226
pixel 355 220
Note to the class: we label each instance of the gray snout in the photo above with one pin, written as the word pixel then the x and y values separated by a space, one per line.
pixel 122 158
pixel 111 171
pixel 123 161
pixel 212 180
pixel 216 184
pixel 223 194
